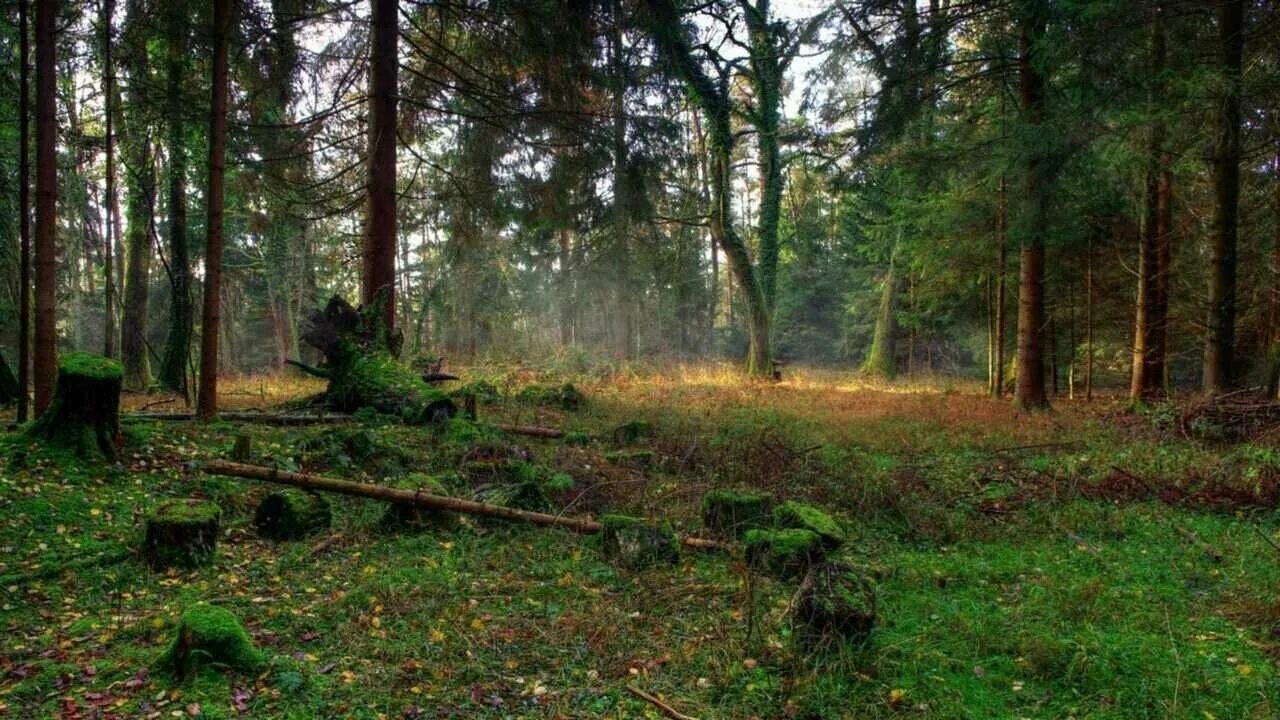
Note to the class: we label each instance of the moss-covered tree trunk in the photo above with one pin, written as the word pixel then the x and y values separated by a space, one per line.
pixel 362 365
pixel 84 414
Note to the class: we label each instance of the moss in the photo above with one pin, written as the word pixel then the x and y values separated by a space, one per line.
pixel 209 635
pixel 634 544
pixel 181 533
pixel 783 553
pixel 377 379
pixel 793 514
pixel 730 513
pixel 463 432
pixel 634 459
pixel 835 602
pixel 559 483
pixel 398 516
pixel 88 365
pixel 292 514
pixel 527 495
pixel 565 397
pixel 576 438
pixel 485 391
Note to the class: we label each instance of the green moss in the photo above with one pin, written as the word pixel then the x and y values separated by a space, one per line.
pixel 181 533
pixel 518 495
pixel 566 397
pixel 576 438
pixel 292 514
pixel 485 391
pixel 399 516
pixel 636 545
pixel 463 432
pixel 730 513
pixel 92 366
pixel 793 514
pixel 632 431
pixel 634 459
pixel 783 553
pixel 836 602
pixel 185 510
pixel 209 635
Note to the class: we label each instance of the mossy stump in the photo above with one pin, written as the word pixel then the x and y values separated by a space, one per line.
pixel 636 545
pixel 730 514
pixel 835 602
pixel 292 514
pixel 398 517
pixel 793 514
pixel 181 533
pixel 84 414
pixel 784 554
pixel 209 635
pixel 633 459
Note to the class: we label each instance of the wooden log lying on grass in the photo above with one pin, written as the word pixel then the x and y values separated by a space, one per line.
pixel 530 430
pixel 420 499
pixel 248 417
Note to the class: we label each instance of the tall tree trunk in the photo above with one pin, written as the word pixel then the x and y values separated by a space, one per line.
pixel 564 287
pixel 882 357
pixel 140 199
pixel 1030 389
pixel 24 215
pixel 379 243
pixel 1160 306
pixel 767 61
pixel 46 248
pixel 1221 320
pixel 1002 232
pixel 1147 370
pixel 173 365
pixel 207 401
pixel 1088 321
pixel 112 230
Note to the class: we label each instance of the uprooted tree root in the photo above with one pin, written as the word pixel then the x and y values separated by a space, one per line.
pixel 1241 416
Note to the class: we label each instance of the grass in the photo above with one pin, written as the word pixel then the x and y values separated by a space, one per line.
pixel 1019 573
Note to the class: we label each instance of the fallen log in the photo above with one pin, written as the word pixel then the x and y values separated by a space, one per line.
pixel 420 499
pixel 249 417
pixel 530 430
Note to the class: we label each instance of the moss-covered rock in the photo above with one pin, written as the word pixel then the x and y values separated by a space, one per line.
pixel 210 635
pixel 181 533
pixel 636 545
pixel 632 431
pixel 793 514
pixel 730 514
pixel 783 554
pixel 292 514
pixel 400 517
pixel 834 602
pixel 634 459
pixel 84 414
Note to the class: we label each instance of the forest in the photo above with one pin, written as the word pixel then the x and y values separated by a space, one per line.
pixel 640 359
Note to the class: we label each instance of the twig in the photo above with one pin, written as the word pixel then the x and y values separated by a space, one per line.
pixel 154 403
pixel 665 708
pixel 1266 537
pixel 1195 539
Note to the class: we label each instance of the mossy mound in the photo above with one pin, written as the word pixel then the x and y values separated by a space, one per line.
pixel 793 514
pixel 463 433
pixel 634 459
pixel 632 431
pixel 783 554
pixel 527 495
pixel 292 514
pixel 636 545
pixel 209 635
pixel 576 438
pixel 181 533
pixel 499 470
pixel 350 448
pixel 84 414
pixel 483 390
pixel 730 514
pixel 835 602
pixel 400 517
pixel 565 397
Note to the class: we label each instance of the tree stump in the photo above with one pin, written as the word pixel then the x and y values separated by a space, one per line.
pixel 412 518
pixel 730 514
pixel 181 533
pixel 84 413
pixel 784 554
pixel 210 635
pixel 635 545
pixel 292 514
pixel 793 514
pixel 834 602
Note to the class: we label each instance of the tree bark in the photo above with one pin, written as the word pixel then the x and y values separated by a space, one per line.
pixel 1030 389
pixel 1002 231
pixel 882 357
pixel 379 242
pixel 140 205
pixel 177 347
pixel 46 248
pixel 207 402
pixel 1147 370
pixel 1220 338
pixel 767 62
pixel 24 214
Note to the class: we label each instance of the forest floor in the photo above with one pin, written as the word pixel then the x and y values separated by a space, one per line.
pixel 1084 563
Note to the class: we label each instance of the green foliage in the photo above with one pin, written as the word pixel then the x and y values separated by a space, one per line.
pixel 209 635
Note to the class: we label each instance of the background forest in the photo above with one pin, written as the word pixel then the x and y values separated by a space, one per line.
pixel 556 162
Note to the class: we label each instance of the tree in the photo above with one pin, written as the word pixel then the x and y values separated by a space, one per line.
pixel 24 215
pixel 379 242
pixel 140 204
pixel 46 248
pixel 173 365
pixel 1219 371
pixel 112 233
pixel 1030 389
pixel 713 97
pixel 211 317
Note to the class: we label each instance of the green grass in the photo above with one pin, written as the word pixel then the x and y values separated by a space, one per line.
pixel 1003 592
